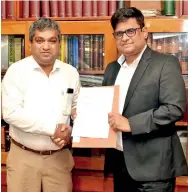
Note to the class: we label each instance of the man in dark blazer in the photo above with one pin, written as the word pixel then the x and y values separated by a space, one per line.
pixel 152 100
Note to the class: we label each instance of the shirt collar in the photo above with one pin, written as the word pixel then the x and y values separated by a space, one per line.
pixel 122 59
pixel 35 65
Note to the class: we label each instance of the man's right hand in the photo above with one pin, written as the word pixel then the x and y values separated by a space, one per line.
pixel 62 135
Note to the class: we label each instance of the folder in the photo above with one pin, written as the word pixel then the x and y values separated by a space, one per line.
pixel 114 139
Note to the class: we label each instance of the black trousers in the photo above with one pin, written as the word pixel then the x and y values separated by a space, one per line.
pixel 123 182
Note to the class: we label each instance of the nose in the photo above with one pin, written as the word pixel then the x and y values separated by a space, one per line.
pixel 46 45
pixel 125 37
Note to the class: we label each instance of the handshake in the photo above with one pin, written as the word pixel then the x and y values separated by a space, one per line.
pixel 62 135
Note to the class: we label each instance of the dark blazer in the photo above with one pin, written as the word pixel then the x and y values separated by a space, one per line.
pixel 156 99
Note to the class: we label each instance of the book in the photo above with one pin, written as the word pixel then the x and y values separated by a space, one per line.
pixel 25 9
pixel 87 8
pixel 45 8
pixel 3 9
pixel 4 52
pixel 11 50
pixel 53 8
pixel 77 8
pixel 34 9
pixel 61 8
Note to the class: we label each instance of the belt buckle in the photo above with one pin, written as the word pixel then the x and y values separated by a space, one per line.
pixel 41 152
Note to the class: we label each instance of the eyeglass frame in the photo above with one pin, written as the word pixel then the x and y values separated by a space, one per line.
pixel 125 32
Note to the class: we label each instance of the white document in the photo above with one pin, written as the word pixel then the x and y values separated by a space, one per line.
pixel 93 107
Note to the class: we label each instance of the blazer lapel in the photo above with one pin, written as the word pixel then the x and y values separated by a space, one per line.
pixel 142 65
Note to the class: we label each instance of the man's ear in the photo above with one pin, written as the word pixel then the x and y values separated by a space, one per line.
pixel 145 31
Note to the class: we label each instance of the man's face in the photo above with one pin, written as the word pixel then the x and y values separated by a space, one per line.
pixel 45 46
pixel 133 42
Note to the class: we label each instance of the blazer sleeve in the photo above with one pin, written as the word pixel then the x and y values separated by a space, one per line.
pixel 172 101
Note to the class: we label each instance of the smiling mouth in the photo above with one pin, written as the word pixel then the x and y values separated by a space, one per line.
pixel 45 53
pixel 126 44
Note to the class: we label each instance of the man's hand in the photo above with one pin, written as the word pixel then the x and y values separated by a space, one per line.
pixel 118 122
pixel 62 135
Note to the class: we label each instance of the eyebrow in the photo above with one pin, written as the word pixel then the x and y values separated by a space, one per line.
pixel 55 38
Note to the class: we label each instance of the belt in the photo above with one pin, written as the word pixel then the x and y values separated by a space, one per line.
pixel 49 152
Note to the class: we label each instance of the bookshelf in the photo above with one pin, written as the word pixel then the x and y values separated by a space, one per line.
pixel 88 173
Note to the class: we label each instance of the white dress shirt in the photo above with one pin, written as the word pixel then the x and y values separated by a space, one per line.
pixel 124 77
pixel 32 102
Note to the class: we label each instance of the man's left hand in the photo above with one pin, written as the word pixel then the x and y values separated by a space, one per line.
pixel 118 122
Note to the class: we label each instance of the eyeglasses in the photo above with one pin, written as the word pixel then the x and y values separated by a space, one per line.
pixel 129 32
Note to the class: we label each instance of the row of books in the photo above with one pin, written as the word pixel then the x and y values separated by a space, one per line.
pixel 84 52
pixel 171 43
pixel 64 8
pixel 12 49
pixel 170 7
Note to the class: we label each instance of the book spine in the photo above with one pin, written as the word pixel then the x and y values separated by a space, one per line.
pixel 34 9
pixel 149 40
pixel 91 52
pixel 10 10
pixel 102 7
pixel 11 55
pixel 53 9
pixel 101 49
pixel 87 52
pixel 45 7
pixel 154 44
pixel 17 48
pixel 169 7
pixel 68 8
pixel 96 52
pixel 77 8
pixel 62 57
pixel 3 9
pixel 61 7
pixel 94 8
pixel 23 48
pixel 66 48
pixel 120 4
pixel 185 7
pixel 25 9
pixel 76 53
pixel 81 52
pixel 87 8
pixel 4 52
pixel 112 7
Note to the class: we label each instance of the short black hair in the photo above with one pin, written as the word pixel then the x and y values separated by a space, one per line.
pixel 124 14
